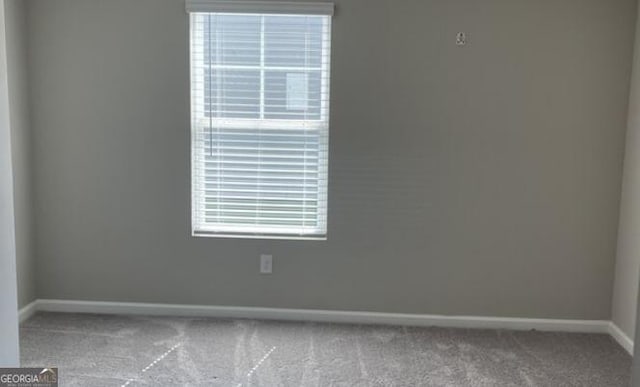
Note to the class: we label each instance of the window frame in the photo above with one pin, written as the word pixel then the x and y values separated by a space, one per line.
pixel 199 126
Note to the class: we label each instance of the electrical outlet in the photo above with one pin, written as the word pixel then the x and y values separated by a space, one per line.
pixel 266 264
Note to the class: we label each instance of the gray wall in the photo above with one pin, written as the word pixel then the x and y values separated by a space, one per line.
pixel 21 148
pixel 635 377
pixel 627 270
pixel 482 180
pixel 9 351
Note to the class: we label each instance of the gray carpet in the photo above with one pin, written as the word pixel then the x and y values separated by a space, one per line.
pixel 100 350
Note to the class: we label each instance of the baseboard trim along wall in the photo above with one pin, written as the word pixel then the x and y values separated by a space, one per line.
pixel 621 337
pixel 333 316
pixel 28 310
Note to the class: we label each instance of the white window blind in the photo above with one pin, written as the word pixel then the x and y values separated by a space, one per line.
pixel 260 118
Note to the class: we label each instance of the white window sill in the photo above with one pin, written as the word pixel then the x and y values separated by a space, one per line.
pixel 200 234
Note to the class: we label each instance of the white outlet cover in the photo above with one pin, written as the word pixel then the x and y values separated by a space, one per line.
pixel 266 264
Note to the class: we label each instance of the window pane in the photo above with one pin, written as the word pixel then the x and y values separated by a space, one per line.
pixel 266 177
pixel 232 40
pixel 232 93
pixel 293 41
pixel 292 95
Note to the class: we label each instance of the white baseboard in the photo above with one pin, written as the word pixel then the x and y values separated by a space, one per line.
pixel 28 310
pixel 584 326
pixel 333 316
pixel 621 337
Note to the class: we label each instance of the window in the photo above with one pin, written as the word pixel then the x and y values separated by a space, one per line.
pixel 260 118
